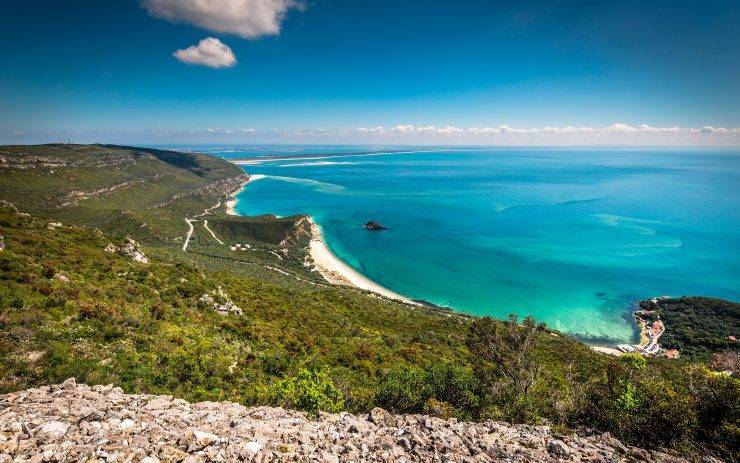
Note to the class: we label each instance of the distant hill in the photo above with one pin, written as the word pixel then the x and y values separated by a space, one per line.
pixel 147 194
pixel 135 191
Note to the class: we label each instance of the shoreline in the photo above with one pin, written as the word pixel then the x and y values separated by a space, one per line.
pixel 231 202
pixel 337 272
pixel 606 350
pixel 330 267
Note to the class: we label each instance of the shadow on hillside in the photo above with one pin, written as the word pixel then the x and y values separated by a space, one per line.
pixel 174 158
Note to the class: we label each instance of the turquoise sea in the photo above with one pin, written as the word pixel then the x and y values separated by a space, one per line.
pixel 571 236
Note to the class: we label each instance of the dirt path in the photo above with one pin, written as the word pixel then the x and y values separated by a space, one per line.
pixel 190 233
pixel 205 225
pixel 191 228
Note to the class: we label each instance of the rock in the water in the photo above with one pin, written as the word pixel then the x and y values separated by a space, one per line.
pixel 374 226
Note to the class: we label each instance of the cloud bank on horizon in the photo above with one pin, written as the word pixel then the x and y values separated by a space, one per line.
pixel 616 134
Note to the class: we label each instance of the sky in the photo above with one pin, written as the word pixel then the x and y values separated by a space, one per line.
pixel 370 71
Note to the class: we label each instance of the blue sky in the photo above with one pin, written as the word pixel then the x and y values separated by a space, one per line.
pixel 99 70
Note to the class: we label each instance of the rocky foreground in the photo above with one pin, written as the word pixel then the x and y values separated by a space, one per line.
pixel 76 422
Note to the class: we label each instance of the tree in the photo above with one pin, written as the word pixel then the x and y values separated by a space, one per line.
pixel 506 349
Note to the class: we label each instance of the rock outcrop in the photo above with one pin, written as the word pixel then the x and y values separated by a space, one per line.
pixel 133 249
pixel 75 422
pixel 130 248
pixel 219 301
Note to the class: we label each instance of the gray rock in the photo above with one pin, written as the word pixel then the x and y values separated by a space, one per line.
pixel 52 431
pixel 75 422
pixel 381 417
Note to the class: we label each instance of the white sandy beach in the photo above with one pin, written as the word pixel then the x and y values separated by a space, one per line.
pixel 328 265
pixel 337 272
pixel 607 350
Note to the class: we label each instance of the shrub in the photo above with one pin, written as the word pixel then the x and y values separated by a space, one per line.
pixel 403 390
pixel 639 406
pixel 309 390
pixel 455 385
pixel 444 389
pixel 504 353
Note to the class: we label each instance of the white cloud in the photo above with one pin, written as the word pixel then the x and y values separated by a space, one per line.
pixel 246 18
pixel 620 128
pixel 372 131
pixel 646 128
pixel 209 52
pixel 710 129
pixel 615 133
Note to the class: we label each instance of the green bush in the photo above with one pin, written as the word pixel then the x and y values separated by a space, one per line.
pixel 309 390
pixel 444 389
pixel 639 406
pixel 403 390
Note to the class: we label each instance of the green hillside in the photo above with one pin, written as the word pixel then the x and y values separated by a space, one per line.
pixel 69 307
pixel 697 326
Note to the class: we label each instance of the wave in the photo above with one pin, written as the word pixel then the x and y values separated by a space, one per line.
pixel 317 163
pixel 255 177
pixel 627 222
pixel 321 187
pixel 670 243
pixel 571 202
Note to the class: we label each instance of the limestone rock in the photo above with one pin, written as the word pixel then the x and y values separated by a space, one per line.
pixel 133 250
pixel 60 277
pixel 219 301
pixel 76 422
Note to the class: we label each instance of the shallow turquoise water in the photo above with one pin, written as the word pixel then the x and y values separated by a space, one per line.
pixel 572 237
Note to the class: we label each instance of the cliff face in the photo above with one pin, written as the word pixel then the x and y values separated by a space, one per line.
pixel 76 422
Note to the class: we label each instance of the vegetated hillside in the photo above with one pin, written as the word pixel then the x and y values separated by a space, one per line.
pixel 147 194
pixel 144 193
pixel 257 327
pixel 697 326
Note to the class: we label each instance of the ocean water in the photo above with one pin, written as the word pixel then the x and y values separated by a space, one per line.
pixel 571 236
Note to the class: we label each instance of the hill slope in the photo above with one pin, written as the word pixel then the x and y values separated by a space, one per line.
pixel 258 327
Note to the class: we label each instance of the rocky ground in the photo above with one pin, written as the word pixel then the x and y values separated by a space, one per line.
pixel 76 422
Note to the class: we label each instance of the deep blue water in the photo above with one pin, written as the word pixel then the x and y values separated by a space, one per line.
pixel 571 236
